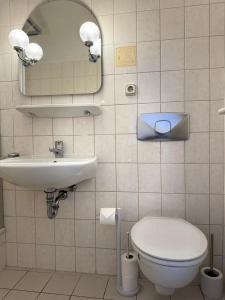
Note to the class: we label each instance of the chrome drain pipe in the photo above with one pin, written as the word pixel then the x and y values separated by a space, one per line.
pixel 53 202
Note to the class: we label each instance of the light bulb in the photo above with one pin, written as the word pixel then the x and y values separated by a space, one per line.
pixel 34 51
pixel 89 32
pixel 96 48
pixel 18 38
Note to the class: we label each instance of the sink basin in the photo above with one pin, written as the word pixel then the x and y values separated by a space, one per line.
pixel 47 172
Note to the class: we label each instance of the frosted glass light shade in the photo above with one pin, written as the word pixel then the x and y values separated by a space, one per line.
pixel 89 32
pixel 96 48
pixel 18 38
pixel 34 51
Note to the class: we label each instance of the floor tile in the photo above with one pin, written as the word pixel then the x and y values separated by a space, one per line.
pixel 62 283
pixel 21 295
pixel 91 286
pixel 111 292
pixel 190 292
pixel 33 281
pixel 3 292
pixel 8 278
pixel 52 297
pixel 148 292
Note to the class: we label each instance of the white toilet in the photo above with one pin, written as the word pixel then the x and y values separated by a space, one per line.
pixel 170 251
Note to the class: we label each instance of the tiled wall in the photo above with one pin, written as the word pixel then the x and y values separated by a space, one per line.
pixel 180 60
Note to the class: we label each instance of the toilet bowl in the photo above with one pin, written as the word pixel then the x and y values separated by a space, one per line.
pixel 170 251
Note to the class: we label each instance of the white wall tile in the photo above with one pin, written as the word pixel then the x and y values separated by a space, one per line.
pixel 148 27
pixel 172 86
pixel 84 205
pixel 65 258
pixel 172 54
pixel 85 260
pixel 148 56
pixel 106 177
pixel 216 51
pixel 172 152
pixel 216 147
pixel 102 7
pixel 171 3
pixel 105 236
pixel 45 257
pixel 45 233
pixel 127 178
pixel 126 116
pixel 128 202
pixel 148 87
pixel 216 178
pixel 126 148
pixel 197 208
pixel 197 148
pixel 148 152
pixel 173 178
pixel 124 6
pixel 217 18
pixel 125 28
pixel 197 53
pixel 25 203
pixel 85 233
pixel 150 204
pixel 106 261
pixel 199 115
pixel 64 232
pixel 172 23
pixel 105 148
pixel 197 21
pixel 216 123
pixel 217 83
pixel 84 145
pixel 147 4
pixel 173 205
pixel 197 178
pixel 197 84
pixel 5 13
pixel 26 255
pixel 149 178
pixel 105 123
pixel 216 209
pixel 25 230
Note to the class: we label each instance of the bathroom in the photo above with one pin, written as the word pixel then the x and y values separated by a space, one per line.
pixel 157 56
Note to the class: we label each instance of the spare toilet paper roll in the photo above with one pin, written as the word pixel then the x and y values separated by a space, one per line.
pixel 108 216
pixel 129 270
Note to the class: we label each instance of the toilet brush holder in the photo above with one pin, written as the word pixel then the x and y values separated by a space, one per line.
pixel 211 279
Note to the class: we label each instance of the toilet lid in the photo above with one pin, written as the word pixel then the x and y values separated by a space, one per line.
pixel 168 239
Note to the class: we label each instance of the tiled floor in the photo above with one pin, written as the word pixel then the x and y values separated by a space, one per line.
pixel 29 285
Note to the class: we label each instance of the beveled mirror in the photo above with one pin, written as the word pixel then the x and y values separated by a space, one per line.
pixel 69 64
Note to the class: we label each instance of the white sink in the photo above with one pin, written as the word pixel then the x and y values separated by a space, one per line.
pixel 47 172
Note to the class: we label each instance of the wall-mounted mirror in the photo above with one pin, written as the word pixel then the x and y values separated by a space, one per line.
pixel 71 62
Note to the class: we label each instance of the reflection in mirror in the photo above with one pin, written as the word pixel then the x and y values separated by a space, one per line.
pixel 70 37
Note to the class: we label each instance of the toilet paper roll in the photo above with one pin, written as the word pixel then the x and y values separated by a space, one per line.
pixel 212 287
pixel 108 216
pixel 129 272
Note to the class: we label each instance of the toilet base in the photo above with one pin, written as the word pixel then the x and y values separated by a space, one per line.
pixel 164 291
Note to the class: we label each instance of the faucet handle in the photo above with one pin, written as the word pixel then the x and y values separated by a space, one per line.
pixel 59 144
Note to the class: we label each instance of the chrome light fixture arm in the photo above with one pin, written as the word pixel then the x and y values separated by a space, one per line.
pixel 22 56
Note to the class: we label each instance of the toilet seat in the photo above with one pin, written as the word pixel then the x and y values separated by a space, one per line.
pixel 169 241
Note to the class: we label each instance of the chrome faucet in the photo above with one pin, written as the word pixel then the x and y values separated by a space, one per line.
pixel 58 150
